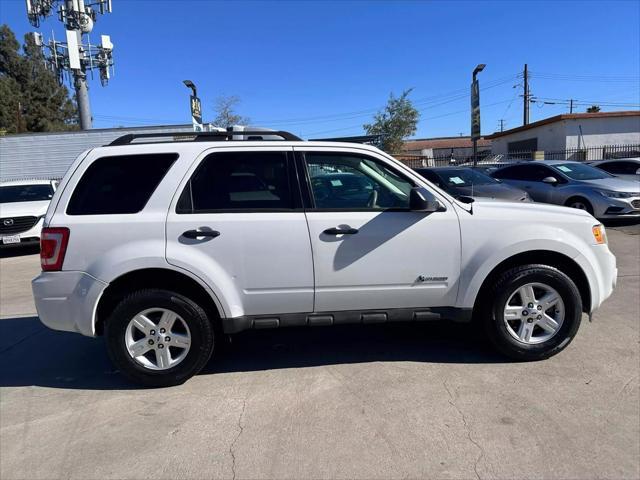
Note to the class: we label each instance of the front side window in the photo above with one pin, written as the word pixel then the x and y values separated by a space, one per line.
pixel 238 181
pixel 119 184
pixel 25 193
pixel 352 182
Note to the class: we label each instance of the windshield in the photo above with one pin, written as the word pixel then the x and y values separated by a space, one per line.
pixel 25 193
pixel 580 171
pixel 464 177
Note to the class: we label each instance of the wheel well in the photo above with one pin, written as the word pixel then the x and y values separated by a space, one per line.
pixel 577 197
pixel 153 278
pixel 543 257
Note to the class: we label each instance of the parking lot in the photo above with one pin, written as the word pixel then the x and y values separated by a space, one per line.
pixel 382 401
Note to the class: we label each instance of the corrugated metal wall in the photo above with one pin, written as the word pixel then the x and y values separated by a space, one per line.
pixel 49 155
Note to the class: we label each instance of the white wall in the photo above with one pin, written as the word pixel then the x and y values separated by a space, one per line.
pixel 564 134
pixel 603 131
pixel 550 137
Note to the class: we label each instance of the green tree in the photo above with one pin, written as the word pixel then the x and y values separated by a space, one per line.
pixel 396 122
pixel 226 115
pixel 593 109
pixel 31 100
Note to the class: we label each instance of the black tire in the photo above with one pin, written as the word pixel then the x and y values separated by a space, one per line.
pixel 580 200
pixel 200 328
pixel 505 286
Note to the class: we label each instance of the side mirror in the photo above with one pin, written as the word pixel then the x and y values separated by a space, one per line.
pixel 421 200
pixel 550 180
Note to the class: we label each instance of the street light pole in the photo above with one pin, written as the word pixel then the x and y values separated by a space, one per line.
pixel 475 111
pixel 192 86
pixel 196 106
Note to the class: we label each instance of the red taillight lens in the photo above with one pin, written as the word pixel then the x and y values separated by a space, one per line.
pixel 53 246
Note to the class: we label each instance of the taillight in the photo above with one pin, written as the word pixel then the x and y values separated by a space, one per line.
pixel 53 246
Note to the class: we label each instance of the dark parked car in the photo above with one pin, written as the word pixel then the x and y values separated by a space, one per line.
pixel 627 168
pixel 471 182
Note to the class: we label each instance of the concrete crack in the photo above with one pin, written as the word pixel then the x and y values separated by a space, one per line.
pixel 468 429
pixel 235 440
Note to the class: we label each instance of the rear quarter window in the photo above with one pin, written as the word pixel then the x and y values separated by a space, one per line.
pixel 119 184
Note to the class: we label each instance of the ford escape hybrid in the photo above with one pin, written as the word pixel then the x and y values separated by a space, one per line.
pixel 164 243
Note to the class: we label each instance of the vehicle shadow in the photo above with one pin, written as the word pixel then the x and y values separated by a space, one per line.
pixel 31 354
pixel 19 250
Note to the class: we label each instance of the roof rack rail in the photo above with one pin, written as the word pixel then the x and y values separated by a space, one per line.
pixel 354 139
pixel 206 136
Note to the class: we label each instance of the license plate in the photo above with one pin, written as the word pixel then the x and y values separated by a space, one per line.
pixel 11 239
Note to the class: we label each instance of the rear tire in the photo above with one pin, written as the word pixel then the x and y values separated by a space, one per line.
pixel 580 203
pixel 533 312
pixel 159 338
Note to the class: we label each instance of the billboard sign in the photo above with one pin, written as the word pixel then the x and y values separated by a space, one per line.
pixel 475 110
pixel 196 114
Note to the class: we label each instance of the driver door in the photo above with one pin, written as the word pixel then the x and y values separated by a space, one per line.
pixel 369 250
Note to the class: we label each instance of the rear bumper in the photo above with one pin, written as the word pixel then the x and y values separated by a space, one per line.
pixel 67 301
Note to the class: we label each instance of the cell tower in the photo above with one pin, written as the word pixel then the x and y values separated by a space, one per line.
pixel 74 58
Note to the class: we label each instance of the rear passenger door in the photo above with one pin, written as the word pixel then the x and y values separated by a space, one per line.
pixel 237 222
pixel 529 178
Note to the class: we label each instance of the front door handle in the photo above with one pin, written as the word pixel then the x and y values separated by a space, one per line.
pixel 193 234
pixel 341 231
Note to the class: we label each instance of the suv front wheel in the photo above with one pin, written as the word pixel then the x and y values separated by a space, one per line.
pixel 159 338
pixel 533 313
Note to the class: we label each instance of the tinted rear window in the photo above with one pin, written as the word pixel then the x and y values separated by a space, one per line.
pixel 119 184
pixel 238 181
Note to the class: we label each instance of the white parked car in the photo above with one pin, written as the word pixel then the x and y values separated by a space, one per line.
pixel 23 205
pixel 164 246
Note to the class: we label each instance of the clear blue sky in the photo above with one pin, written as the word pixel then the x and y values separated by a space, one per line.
pixel 322 68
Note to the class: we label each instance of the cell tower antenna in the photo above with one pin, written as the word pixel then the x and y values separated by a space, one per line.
pixel 74 58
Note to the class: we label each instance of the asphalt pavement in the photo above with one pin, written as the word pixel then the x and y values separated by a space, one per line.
pixel 380 401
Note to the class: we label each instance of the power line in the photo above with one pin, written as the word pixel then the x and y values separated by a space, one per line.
pixel 458 94
pixel 352 127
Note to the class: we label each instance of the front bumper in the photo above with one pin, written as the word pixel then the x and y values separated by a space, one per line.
pixel 603 277
pixel 27 237
pixel 67 301
pixel 617 207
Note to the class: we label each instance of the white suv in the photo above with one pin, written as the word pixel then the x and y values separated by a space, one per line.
pixel 164 246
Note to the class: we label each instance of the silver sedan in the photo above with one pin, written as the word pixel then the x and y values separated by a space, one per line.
pixel 576 185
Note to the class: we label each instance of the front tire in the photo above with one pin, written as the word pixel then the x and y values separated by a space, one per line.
pixel 159 338
pixel 533 313
pixel 580 204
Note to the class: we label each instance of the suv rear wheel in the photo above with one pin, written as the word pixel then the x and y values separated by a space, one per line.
pixel 535 312
pixel 159 338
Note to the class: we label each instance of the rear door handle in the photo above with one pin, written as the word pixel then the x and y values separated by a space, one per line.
pixel 341 231
pixel 193 234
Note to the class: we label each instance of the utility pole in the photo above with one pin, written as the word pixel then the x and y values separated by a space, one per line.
pixel 571 105
pixel 502 124
pixel 525 120
pixel 74 57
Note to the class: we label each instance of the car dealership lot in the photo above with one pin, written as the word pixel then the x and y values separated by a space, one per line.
pixel 381 401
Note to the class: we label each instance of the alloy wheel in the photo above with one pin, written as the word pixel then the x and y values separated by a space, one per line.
pixel 157 338
pixel 534 313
